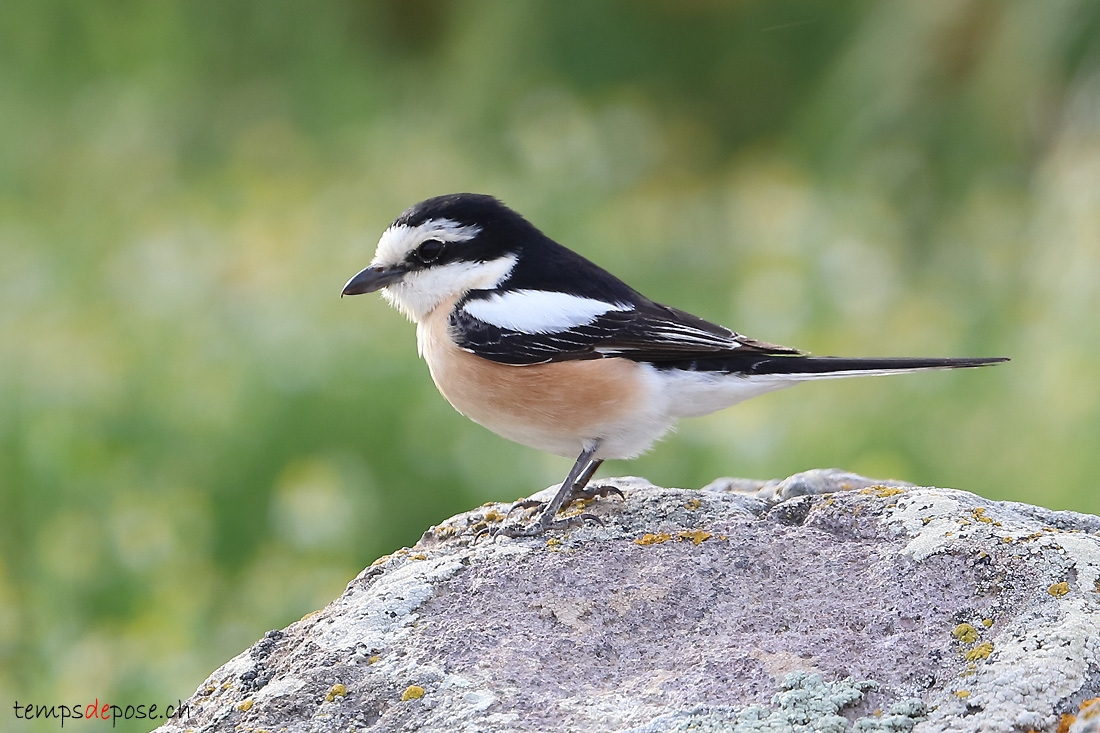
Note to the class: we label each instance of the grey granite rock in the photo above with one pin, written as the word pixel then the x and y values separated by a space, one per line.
pixel 823 602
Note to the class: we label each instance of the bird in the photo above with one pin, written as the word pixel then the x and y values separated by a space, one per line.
pixel 547 349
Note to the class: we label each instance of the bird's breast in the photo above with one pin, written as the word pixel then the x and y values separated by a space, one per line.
pixel 554 407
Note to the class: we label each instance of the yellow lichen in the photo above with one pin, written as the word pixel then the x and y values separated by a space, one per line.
pixel 987 622
pixel 493 516
pixel 965 633
pixel 692 504
pixel 979 513
pixel 1066 721
pixel 962 693
pixel 420 556
pixel 337 690
pixel 244 706
pixel 553 542
pixel 310 614
pixel 381 560
pixel 653 539
pixel 695 536
pixel 884 491
pixel 982 651
pixel 373 659
pixel 412 692
pixel 1058 589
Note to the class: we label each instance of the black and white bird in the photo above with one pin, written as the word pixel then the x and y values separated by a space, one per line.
pixel 543 347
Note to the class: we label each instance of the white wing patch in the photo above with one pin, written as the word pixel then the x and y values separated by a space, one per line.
pixel 539 311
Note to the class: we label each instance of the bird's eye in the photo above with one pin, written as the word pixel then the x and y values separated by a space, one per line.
pixel 429 251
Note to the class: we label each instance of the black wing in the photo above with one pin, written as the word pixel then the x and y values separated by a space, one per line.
pixel 647 332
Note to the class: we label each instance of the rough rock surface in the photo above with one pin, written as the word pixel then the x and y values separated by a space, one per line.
pixel 824 602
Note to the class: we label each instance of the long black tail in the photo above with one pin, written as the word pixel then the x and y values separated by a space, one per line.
pixel 823 367
pixel 828 366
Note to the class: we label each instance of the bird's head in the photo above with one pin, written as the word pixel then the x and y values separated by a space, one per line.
pixel 440 249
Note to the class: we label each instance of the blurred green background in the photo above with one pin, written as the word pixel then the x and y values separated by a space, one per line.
pixel 199 440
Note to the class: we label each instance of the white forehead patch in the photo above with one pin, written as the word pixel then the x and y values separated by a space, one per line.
pixel 539 311
pixel 400 239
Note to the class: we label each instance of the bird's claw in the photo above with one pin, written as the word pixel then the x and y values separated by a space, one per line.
pixel 593 492
pixel 526 504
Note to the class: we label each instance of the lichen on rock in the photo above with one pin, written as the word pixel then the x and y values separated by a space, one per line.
pixel 826 600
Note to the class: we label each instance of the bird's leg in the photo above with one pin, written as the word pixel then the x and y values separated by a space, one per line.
pixel 585 466
pixel 579 492
pixel 582 491
pixel 586 475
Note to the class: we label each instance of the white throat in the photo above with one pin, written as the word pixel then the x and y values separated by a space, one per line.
pixel 421 292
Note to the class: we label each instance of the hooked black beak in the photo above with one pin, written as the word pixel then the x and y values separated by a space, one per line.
pixel 370 279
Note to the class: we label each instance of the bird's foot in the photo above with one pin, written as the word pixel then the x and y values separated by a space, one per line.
pixel 595 492
pixel 586 494
pixel 527 504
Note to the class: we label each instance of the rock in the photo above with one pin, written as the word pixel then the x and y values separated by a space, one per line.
pixel 823 602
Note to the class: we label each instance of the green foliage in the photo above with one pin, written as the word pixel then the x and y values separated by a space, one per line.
pixel 199 440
